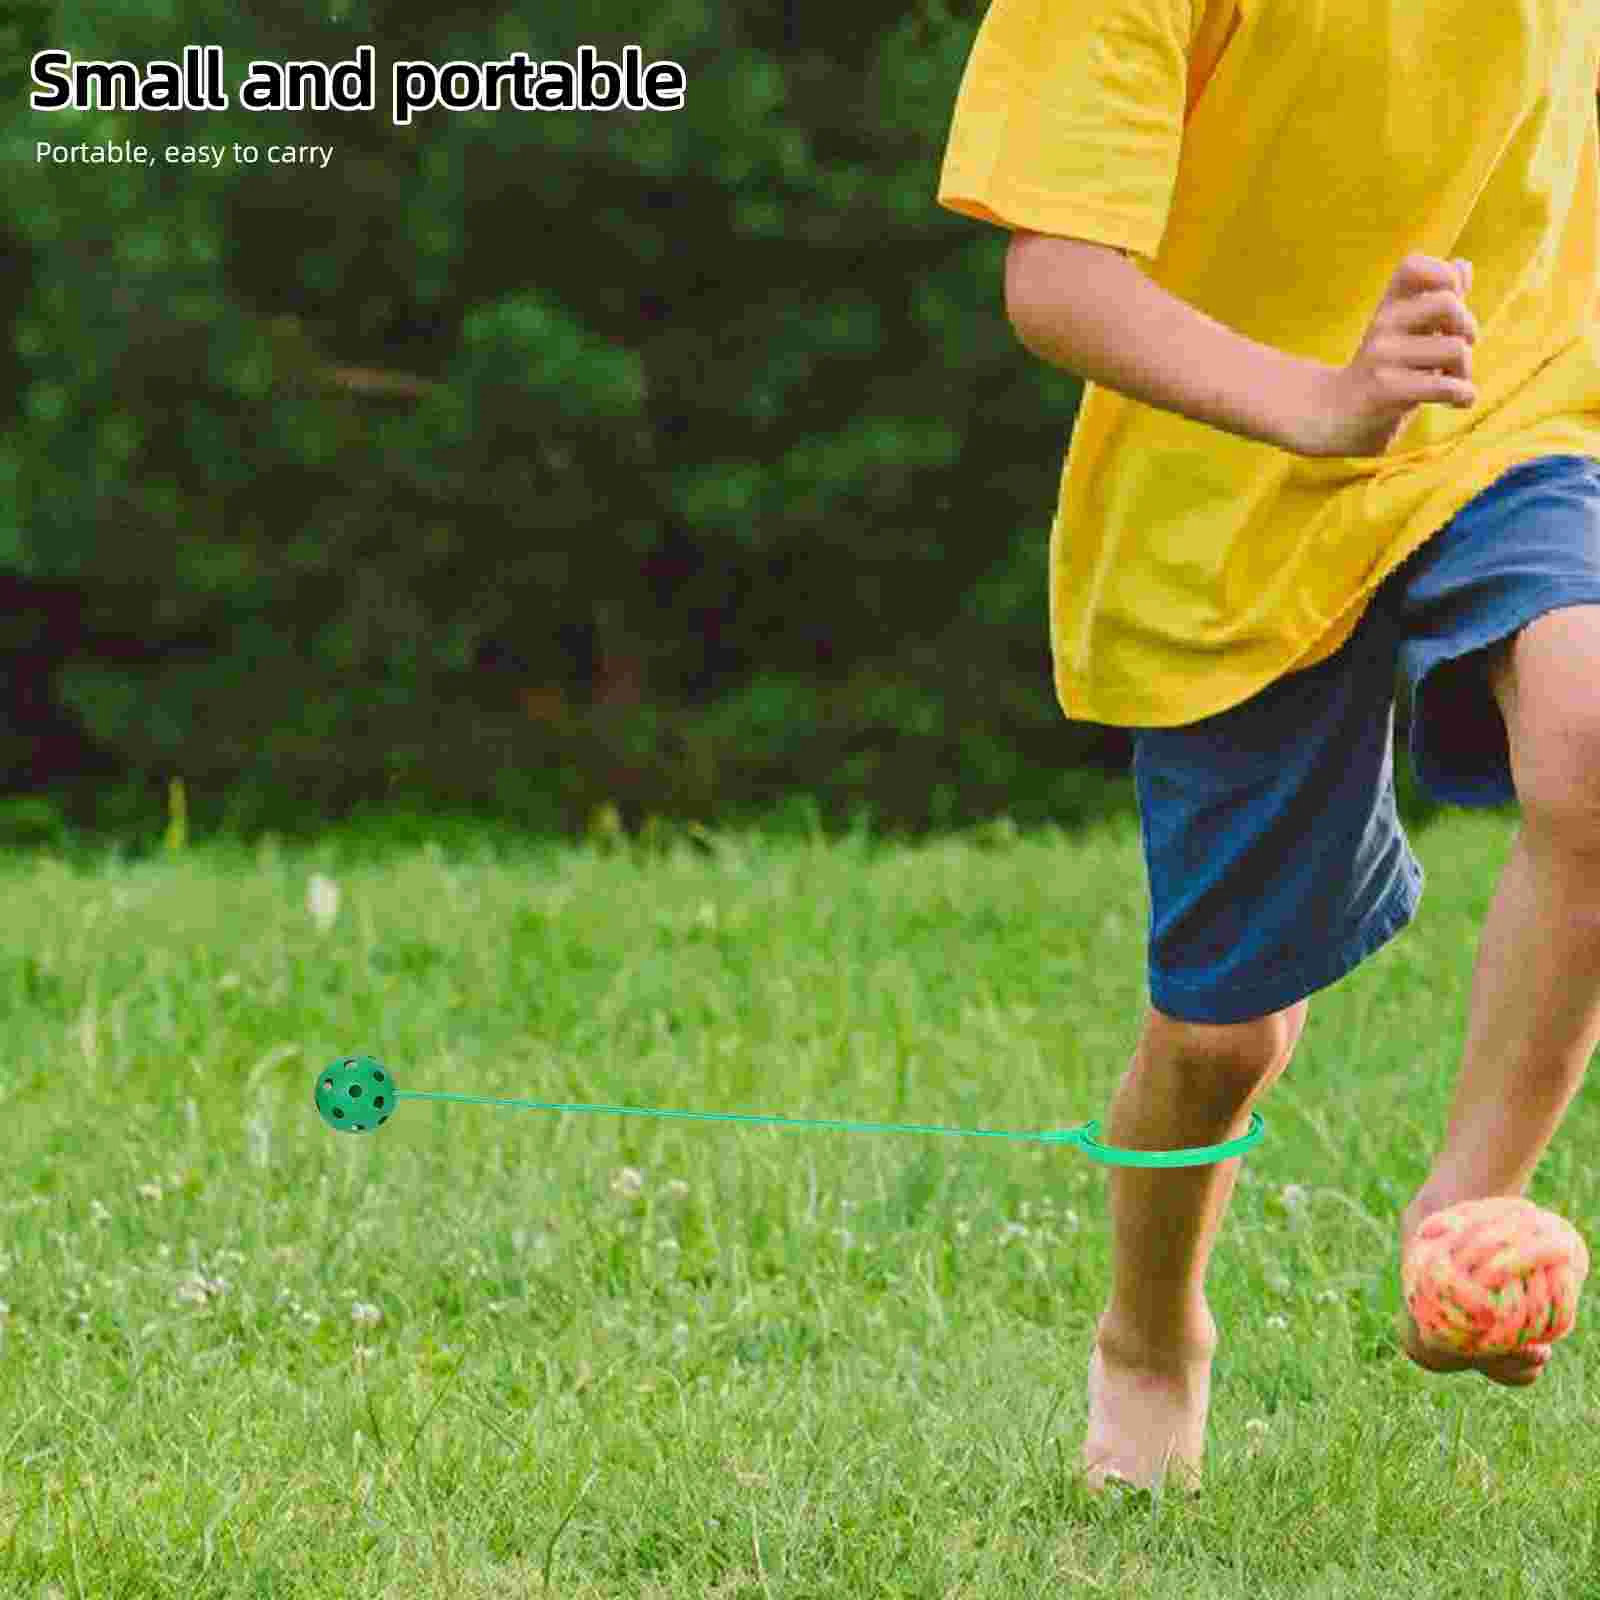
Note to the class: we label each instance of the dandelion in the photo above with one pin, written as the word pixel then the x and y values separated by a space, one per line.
pixel 322 901
pixel 627 1183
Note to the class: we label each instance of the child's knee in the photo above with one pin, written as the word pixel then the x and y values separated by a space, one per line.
pixel 1243 1055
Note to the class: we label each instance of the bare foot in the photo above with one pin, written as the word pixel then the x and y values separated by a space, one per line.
pixel 1515 1370
pixel 1147 1412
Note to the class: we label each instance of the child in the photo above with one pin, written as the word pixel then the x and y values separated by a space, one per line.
pixel 1302 462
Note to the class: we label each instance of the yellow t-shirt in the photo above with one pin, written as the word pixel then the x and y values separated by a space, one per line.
pixel 1272 162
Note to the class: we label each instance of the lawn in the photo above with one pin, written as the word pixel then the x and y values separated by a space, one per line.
pixel 493 1353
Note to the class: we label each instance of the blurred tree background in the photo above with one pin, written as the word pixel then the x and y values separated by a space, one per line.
pixel 527 464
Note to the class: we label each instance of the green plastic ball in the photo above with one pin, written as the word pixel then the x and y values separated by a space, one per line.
pixel 356 1094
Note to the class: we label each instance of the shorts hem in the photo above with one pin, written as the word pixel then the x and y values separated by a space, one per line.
pixel 1479 790
pixel 1236 1003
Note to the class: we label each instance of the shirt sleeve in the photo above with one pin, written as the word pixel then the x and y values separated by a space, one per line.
pixel 1069 119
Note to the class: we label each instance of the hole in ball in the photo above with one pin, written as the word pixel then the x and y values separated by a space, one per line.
pixel 383 1119
pixel 327 1083
pixel 378 1076
pixel 355 1091
pixel 338 1113
pixel 378 1101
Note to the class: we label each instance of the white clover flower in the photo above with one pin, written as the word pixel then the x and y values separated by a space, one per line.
pixel 197 1289
pixel 322 901
pixel 627 1183
pixel 1293 1196
pixel 1279 1323
pixel 365 1315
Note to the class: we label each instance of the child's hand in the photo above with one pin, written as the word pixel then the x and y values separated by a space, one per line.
pixel 1418 351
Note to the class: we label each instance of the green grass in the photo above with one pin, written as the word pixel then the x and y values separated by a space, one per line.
pixel 491 1353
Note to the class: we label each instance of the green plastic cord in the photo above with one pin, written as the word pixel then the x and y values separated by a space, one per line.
pixel 357 1095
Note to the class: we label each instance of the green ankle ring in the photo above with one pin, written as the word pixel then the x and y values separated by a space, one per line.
pixel 1200 1156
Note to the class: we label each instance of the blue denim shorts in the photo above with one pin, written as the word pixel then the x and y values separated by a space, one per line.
pixel 1276 856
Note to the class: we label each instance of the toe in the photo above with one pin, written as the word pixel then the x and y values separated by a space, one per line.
pixel 1517 1369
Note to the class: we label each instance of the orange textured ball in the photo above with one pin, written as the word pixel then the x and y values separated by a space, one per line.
pixel 1490 1276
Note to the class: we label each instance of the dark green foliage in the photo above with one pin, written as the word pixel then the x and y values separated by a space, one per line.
pixel 527 462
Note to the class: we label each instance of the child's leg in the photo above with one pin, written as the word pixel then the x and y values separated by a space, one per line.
pixel 1534 1020
pixel 1149 1379
pixel 1276 865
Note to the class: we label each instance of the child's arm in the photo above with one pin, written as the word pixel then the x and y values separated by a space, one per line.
pixel 1087 308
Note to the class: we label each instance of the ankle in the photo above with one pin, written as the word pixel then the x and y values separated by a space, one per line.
pixel 1185 1340
pixel 1423 1205
pixel 1427 1201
